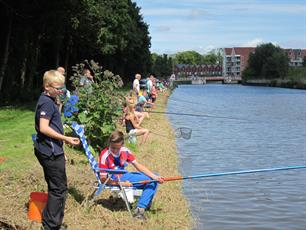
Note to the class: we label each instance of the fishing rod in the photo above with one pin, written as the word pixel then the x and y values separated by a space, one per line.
pixel 221 174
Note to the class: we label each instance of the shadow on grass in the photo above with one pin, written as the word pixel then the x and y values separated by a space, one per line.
pixel 112 203
pixel 76 194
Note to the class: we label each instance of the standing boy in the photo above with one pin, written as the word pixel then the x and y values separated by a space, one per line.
pixel 48 149
pixel 136 84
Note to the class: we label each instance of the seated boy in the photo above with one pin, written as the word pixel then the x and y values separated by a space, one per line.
pixel 143 102
pixel 116 156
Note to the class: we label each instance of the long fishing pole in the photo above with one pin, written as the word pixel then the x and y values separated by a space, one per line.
pixel 221 174
pixel 199 115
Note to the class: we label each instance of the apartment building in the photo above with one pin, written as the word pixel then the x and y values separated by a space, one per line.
pixel 296 56
pixel 235 60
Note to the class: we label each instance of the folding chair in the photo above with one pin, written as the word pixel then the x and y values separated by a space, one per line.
pixel 126 193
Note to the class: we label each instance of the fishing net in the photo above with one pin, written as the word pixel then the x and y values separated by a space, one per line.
pixel 183 132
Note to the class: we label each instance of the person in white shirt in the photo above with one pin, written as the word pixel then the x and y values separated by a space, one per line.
pixel 136 86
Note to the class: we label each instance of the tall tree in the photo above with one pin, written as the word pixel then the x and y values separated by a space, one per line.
pixel 162 65
pixel 267 62
pixel 304 61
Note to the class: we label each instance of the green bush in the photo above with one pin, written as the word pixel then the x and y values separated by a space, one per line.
pixel 98 110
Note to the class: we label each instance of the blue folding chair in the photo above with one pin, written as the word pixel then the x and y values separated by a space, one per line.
pixel 126 193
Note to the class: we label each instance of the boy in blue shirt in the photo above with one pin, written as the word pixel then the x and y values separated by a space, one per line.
pixel 48 148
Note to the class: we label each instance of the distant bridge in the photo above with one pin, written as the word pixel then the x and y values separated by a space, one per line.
pixel 195 80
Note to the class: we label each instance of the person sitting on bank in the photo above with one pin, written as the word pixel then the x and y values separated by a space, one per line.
pixel 116 156
pixel 133 127
pixel 153 93
pixel 143 102
pixel 131 97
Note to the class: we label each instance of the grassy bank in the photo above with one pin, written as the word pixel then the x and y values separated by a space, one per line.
pixel 21 174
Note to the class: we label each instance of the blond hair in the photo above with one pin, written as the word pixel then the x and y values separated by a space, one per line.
pixel 116 137
pixel 131 107
pixel 53 76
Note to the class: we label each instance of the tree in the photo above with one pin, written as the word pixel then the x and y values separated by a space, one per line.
pixel 268 62
pixel 218 56
pixel 304 61
pixel 188 57
pixel 194 58
pixel 162 65
pixel 210 58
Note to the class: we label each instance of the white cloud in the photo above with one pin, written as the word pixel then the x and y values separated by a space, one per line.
pixel 205 49
pixel 277 8
pixel 257 41
pixel 253 43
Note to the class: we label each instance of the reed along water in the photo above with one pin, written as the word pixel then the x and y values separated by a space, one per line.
pixel 246 128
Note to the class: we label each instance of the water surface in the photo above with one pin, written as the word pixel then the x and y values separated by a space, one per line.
pixel 247 128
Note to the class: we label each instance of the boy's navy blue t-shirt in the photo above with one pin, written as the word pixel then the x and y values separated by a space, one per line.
pixel 46 108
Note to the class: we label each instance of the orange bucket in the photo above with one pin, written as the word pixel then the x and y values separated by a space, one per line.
pixel 37 203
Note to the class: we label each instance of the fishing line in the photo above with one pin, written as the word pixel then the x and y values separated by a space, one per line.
pixel 199 115
pixel 190 102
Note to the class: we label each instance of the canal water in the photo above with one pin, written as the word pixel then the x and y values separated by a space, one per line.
pixel 247 128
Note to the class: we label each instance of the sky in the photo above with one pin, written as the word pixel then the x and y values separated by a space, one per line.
pixel 203 25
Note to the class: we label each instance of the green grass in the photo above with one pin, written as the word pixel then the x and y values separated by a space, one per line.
pixel 17 126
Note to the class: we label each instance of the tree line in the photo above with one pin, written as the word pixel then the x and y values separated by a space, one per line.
pixel 41 35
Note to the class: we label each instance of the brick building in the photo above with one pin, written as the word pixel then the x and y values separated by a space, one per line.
pixel 235 60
